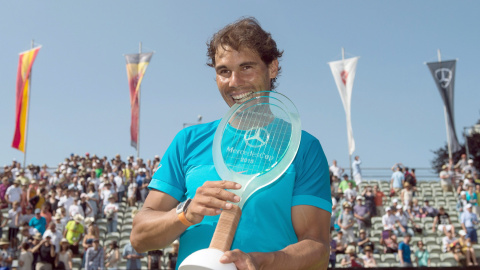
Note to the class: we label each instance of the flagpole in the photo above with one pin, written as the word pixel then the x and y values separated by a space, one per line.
pixel 439 55
pixel 27 114
pixel 138 126
pixel 349 155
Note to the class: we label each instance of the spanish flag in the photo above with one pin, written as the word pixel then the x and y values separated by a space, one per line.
pixel 25 64
pixel 136 67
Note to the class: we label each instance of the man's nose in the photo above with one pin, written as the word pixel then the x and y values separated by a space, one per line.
pixel 236 79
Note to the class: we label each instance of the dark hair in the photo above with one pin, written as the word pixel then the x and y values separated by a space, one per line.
pixel 245 33
pixel 26 245
pixel 114 244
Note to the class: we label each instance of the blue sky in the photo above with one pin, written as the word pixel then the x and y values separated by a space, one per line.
pixel 80 99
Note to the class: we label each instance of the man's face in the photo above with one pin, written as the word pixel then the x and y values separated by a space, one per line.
pixel 241 73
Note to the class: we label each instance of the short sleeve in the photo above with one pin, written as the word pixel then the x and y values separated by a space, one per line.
pixel 312 183
pixel 170 175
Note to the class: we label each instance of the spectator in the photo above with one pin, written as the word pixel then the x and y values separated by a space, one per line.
pixel 172 256
pixel 471 197
pixel 344 184
pixel 357 172
pixel 55 236
pixel 14 220
pixel 445 179
pixel 45 212
pixel 364 241
pixel 341 243
pixel 120 187
pixel 389 243
pixel 90 222
pixel 404 252
pixel 389 220
pixel 403 219
pixel 110 212
pixel 13 193
pixel 64 256
pixel 94 258
pixel 448 242
pixel 470 169
pixel 346 221
pixel 368 260
pixel 406 195
pixel 25 260
pixel 469 220
pixel 336 170
pixel 467 249
pixel 369 197
pixel 6 255
pixel 38 222
pixel 73 233
pixel 46 254
pixel 411 179
pixel 350 192
pixel 350 259
pixel 112 257
pixel 143 179
pixel 422 257
pixel 459 256
pixel 85 205
pixel 154 259
pixel 379 195
pixel 396 183
pixel 461 203
pixel 133 257
pixel 444 222
pixel 362 214
pixel 89 235
pixel 67 200
pixel 132 192
pixel 332 259
pixel 3 189
pixel 93 198
pixel 428 210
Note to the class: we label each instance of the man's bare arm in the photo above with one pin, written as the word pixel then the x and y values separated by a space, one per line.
pixel 312 226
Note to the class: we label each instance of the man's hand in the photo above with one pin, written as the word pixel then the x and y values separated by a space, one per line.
pixel 210 198
pixel 242 260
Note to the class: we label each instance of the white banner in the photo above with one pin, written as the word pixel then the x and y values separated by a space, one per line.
pixel 344 73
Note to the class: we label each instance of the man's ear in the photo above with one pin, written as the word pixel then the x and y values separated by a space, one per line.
pixel 273 69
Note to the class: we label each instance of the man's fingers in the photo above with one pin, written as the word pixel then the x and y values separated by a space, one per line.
pixel 223 184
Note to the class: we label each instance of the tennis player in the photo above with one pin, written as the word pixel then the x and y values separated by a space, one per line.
pixel 283 226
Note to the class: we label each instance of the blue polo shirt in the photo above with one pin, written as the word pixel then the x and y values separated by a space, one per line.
pixel 266 222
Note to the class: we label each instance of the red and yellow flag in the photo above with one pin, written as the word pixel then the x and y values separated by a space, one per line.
pixel 136 67
pixel 25 64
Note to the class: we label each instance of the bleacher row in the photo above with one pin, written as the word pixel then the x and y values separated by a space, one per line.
pixel 431 191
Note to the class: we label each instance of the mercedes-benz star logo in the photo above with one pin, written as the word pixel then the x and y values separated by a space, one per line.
pixel 444 76
pixel 256 137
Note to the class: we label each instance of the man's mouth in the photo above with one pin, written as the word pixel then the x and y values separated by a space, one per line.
pixel 242 97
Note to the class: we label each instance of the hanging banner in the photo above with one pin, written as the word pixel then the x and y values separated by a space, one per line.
pixel 22 97
pixel 344 73
pixel 136 67
pixel 444 76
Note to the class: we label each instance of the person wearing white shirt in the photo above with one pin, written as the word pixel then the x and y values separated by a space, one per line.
pixel 120 186
pixel 54 235
pixel 446 241
pixel 336 170
pixel 67 200
pixel 75 209
pixel 13 192
pixel 357 172
pixel 110 212
pixel 389 220
pixel 14 215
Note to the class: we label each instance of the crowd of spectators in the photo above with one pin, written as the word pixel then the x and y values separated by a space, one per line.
pixel 53 214
pixel 399 208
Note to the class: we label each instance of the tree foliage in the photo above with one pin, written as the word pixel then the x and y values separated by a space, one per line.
pixel 441 154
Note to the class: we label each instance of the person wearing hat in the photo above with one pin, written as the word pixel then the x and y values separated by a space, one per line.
pixel 110 212
pixel 344 184
pixel 390 221
pixel 94 256
pixel 13 193
pixel 74 232
pixel 368 259
pixel 105 193
pixel 45 251
pixel 465 244
pixel 469 221
pixel 406 195
pixel 14 220
pixel 446 178
pixel 472 197
pixel 143 179
pixel 346 221
pixel 132 256
pixel 350 259
pixel 404 218
pixel 38 222
pixel 470 168
pixel 64 256
pixel 364 241
pixel 428 210
pixel 59 225
pixel 5 254
pixel 75 208
pixel 172 255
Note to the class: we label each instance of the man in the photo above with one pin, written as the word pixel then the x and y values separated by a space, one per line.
pixel 364 241
pixel 462 162
pixel 13 192
pixel 38 222
pixel 445 178
pixel 54 234
pixel 404 252
pixel 403 218
pixel 469 220
pixel 357 172
pixel 345 183
pixel 389 220
pixel 429 210
pixel 46 254
pixel 336 170
pixel 443 221
pixel 74 233
pixel 396 183
pixel 133 257
pixel 362 214
pixel 110 212
pixel 94 256
pixel 245 59
pixel 447 242
pixel 346 221
pixel 470 169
